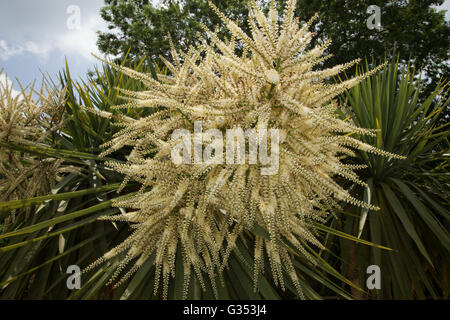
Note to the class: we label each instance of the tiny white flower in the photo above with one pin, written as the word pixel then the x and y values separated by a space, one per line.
pixel 273 76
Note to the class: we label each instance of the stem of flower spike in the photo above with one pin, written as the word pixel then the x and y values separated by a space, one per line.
pixel 272 86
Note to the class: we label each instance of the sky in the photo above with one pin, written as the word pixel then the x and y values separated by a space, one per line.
pixel 37 35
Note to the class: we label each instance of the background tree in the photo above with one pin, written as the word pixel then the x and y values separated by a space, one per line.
pixel 414 27
pixel 144 27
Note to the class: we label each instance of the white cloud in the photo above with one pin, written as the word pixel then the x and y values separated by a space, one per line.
pixel 42 30
pixel 444 6
pixel 7 51
pixel 81 41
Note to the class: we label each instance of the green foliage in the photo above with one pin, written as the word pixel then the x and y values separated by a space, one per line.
pixel 414 27
pixel 145 28
pixel 53 231
pixel 63 228
pixel 412 193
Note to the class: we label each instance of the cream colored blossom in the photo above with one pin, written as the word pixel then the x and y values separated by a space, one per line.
pixel 26 120
pixel 273 76
pixel 201 209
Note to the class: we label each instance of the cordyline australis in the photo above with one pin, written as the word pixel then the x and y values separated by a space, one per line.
pixel 26 121
pixel 201 209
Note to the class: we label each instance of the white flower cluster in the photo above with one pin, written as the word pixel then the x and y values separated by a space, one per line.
pixel 263 80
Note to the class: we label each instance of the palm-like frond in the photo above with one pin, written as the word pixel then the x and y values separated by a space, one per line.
pixel 412 193
pixel 63 228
